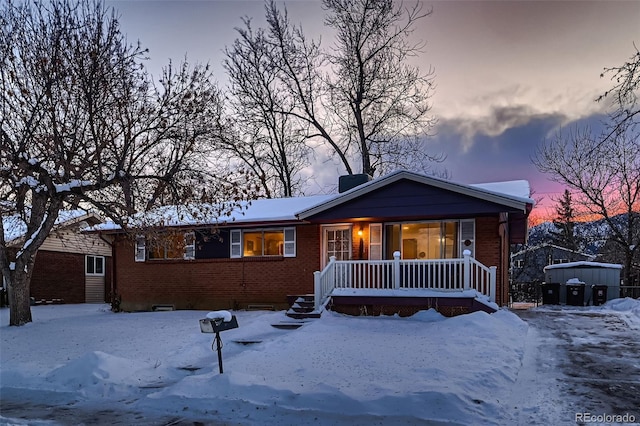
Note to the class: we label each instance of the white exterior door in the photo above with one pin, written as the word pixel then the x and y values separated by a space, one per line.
pixel 336 241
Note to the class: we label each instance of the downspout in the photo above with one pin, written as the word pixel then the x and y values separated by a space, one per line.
pixel 112 267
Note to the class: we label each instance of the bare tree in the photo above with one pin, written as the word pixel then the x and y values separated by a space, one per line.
pixel 260 131
pixel 82 124
pixel 623 95
pixel 604 179
pixel 361 96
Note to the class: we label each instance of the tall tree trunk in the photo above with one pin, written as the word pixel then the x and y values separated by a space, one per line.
pixel 19 297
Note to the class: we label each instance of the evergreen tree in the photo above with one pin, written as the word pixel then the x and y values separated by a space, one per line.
pixel 564 234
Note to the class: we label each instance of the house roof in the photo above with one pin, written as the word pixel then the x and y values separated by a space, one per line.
pixel 544 245
pixel 264 210
pixel 584 265
pixel 513 194
pixel 15 228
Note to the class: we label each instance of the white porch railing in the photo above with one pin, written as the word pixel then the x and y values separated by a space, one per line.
pixel 441 274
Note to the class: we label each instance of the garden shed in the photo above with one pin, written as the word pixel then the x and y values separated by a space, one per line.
pixel 589 273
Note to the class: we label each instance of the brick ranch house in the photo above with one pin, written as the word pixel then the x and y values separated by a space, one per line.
pixel 71 266
pixel 399 243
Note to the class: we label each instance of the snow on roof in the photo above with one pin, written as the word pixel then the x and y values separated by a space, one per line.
pixel 289 209
pixel 545 245
pixel 513 188
pixel 278 209
pixel 583 264
pixel 14 227
pixel 261 210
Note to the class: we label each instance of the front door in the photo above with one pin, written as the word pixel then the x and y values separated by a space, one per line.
pixel 336 242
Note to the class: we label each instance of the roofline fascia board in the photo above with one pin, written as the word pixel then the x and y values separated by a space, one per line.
pixel 365 188
pixel 225 225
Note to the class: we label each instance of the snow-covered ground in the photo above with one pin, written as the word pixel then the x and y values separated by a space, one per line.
pixel 84 364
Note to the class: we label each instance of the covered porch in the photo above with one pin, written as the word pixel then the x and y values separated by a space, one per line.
pixel 406 282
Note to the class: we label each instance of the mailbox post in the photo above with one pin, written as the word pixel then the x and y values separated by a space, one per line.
pixel 215 323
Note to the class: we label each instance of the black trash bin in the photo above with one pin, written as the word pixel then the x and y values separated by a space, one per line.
pixel 551 293
pixel 599 294
pixel 575 294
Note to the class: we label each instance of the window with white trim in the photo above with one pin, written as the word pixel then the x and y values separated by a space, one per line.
pixel 423 240
pixel 468 236
pixel 94 265
pixel 177 245
pixel 289 242
pixel 141 248
pixel 375 241
pixel 189 246
pixel 263 242
pixel 236 243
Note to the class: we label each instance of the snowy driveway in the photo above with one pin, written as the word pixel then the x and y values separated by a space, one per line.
pixel 598 354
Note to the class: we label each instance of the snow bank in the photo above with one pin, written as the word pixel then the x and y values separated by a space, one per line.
pixel 420 368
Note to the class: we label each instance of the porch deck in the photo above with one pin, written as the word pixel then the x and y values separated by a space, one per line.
pixel 463 283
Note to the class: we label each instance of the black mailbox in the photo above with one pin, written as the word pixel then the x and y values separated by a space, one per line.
pixel 216 325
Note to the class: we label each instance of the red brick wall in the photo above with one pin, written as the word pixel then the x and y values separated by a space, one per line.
pixel 488 251
pixel 58 275
pixel 237 283
pixel 217 283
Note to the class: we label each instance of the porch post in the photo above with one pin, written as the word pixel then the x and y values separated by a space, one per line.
pixel 396 269
pixel 317 291
pixel 466 270
pixel 492 283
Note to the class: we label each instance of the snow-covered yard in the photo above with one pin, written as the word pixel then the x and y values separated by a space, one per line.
pixel 155 368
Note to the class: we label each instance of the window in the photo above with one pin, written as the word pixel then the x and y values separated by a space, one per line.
pixel 375 241
pixel 467 236
pixel 519 263
pixel 559 261
pixel 189 246
pixel 176 245
pixel 236 243
pixel 263 242
pixel 140 249
pixel 289 242
pixel 423 240
pixel 94 265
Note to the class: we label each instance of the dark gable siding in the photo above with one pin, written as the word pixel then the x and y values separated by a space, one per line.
pixel 407 199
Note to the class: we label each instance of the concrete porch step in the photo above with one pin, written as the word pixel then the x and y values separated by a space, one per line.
pixel 302 315
pixel 302 307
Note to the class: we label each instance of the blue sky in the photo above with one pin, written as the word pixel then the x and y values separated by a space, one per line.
pixel 508 74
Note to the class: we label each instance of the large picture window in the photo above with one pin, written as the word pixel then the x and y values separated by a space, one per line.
pixel 177 245
pixel 422 240
pixel 263 242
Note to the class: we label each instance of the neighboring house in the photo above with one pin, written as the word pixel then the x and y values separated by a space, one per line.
pixel 391 242
pixel 71 267
pixel 528 264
